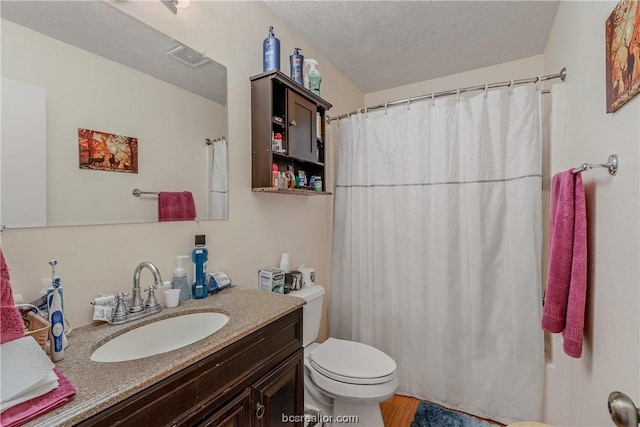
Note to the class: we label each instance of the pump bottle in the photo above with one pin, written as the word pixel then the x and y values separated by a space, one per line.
pixel 270 52
pixel 180 279
pixel 296 62
pixel 199 256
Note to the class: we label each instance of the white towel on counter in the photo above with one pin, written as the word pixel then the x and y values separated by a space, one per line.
pixel 26 371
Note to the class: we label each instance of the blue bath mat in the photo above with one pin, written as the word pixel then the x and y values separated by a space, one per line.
pixel 431 415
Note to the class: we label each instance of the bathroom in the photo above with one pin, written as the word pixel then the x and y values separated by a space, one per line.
pixel 98 258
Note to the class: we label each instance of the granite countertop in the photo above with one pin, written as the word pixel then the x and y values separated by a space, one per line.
pixel 101 385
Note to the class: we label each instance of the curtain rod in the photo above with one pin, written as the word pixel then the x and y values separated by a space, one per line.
pixel 561 75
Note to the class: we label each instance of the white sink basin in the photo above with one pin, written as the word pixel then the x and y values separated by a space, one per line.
pixel 160 337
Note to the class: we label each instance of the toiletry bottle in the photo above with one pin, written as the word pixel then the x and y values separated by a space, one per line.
pixel 56 316
pixel 270 52
pixel 180 278
pixel 314 76
pixel 274 175
pixel 199 256
pixel 296 61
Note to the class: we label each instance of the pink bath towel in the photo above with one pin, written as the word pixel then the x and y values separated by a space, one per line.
pixel 25 411
pixel 176 206
pixel 11 325
pixel 565 297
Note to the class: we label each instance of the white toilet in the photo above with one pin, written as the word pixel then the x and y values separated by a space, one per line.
pixel 343 378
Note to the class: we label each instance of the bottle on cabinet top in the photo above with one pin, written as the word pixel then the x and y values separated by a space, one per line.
pixel 296 62
pixel 270 52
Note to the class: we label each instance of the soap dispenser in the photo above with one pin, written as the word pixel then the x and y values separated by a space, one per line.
pixel 199 256
pixel 180 278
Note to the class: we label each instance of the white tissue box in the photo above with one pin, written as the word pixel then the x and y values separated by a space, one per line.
pixel 271 279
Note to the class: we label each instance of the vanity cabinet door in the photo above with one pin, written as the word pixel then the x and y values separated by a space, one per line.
pixel 279 395
pixel 236 413
pixel 301 114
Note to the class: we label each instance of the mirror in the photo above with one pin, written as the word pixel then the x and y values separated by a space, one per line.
pixel 93 107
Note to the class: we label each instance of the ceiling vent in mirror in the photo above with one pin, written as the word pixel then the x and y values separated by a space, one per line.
pixel 188 56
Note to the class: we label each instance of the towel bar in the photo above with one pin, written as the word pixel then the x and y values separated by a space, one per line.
pixel 612 165
pixel 136 192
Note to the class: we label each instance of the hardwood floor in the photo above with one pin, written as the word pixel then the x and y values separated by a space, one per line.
pixel 399 410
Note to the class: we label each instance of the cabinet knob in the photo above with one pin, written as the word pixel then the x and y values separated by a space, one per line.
pixel 292 123
pixel 259 410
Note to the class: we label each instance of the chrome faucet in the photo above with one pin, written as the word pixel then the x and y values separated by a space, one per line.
pixel 136 309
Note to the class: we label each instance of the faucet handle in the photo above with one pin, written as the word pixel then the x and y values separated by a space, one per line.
pixel 151 302
pixel 121 309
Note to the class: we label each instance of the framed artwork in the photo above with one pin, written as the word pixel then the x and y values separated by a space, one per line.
pixel 106 151
pixel 622 32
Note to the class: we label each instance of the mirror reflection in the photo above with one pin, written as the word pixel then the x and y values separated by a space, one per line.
pixel 96 104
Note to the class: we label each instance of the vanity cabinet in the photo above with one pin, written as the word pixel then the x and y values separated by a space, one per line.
pixel 251 382
pixel 286 112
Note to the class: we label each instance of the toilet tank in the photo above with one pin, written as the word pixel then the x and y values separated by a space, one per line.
pixel 311 312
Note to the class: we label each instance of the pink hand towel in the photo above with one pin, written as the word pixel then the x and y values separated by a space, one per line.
pixel 11 324
pixel 565 297
pixel 33 408
pixel 176 206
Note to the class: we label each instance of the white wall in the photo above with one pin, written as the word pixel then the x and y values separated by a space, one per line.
pixel 520 69
pixel 577 389
pixel 96 259
pixel 87 91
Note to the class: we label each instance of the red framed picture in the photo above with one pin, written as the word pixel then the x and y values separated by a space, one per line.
pixel 106 151
pixel 622 31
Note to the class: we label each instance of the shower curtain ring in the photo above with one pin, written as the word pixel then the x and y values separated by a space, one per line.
pixel 385 108
pixel 458 94
pixel 366 112
pixel 433 99
pixel 511 87
pixel 486 89
pixel 408 104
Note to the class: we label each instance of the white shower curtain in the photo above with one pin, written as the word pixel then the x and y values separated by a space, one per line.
pixel 437 246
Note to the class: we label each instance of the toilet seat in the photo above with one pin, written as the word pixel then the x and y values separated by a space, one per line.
pixel 352 363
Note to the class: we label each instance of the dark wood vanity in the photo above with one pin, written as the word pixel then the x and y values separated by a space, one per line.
pixel 251 382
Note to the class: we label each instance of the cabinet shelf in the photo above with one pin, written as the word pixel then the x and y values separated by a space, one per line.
pixel 294 191
pixel 286 158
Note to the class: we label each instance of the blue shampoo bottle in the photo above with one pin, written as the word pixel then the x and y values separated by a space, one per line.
pixel 297 61
pixel 199 256
pixel 270 52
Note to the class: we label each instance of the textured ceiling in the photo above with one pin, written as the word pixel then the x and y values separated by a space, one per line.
pixel 384 44
pixel 104 30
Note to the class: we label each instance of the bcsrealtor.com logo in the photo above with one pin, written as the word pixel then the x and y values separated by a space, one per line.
pixel 320 418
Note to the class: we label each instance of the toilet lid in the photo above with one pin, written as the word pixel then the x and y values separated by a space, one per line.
pixel 352 362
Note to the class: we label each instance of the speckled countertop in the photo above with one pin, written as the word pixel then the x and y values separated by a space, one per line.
pixel 101 385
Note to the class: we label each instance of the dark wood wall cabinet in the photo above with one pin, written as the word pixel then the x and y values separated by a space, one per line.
pixel 252 383
pixel 288 130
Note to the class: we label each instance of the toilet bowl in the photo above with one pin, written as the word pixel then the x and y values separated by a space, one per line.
pixel 344 380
